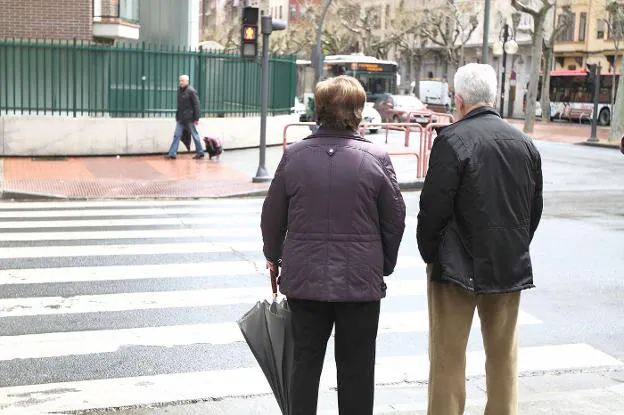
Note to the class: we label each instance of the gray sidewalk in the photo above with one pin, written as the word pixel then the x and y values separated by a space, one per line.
pixel 575 393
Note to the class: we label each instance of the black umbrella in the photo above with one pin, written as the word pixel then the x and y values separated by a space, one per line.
pixel 267 330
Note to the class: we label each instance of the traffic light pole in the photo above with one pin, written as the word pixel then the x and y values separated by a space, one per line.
pixel 594 125
pixel 262 175
pixel 268 24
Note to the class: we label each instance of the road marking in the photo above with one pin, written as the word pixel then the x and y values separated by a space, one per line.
pixel 130 234
pixel 132 249
pixel 157 271
pixel 207 211
pixel 144 390
pixel 100 303
pixel 128 272
pixel 44 345
pixel 128 203
pixel 103 223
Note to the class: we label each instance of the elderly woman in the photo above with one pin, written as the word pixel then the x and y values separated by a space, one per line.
pixel 335 217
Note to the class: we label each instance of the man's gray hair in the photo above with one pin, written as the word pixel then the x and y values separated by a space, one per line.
pixel 476 83
pixel 185 77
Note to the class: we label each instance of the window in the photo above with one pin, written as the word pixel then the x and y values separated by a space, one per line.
pixel 567 34
pixel 616 31
pixel 582 26
pixel 293 12
pixel 281 16
pixel 600 29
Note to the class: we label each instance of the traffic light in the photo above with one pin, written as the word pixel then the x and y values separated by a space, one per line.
pixel 249 33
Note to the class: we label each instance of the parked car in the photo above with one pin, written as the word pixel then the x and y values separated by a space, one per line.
pixel 622 145
pixel 371 116
pixel 395 108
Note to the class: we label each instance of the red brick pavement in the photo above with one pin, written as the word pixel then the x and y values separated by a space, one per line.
pixel 563 132
pixel 125 177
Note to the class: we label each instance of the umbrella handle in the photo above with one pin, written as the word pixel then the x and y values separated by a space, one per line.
pixel 274 275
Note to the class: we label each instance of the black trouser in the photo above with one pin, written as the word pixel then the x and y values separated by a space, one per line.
pixel 356 335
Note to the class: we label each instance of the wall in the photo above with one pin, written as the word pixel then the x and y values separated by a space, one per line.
pixel 57 136
pixel 46 19
pixel 166 22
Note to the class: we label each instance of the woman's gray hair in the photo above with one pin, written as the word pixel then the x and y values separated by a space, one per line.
pixel 476 83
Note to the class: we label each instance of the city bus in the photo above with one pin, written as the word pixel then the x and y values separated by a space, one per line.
pixel 571 97
pixel 377 76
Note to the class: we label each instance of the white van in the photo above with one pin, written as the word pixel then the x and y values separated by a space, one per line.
pixel 435 93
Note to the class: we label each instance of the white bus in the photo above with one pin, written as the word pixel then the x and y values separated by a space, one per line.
pixel 571 97
pixel 377 76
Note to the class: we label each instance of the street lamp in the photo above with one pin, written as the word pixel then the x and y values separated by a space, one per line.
pixel 506 46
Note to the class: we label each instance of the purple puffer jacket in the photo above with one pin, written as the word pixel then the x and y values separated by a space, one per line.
pixel 335 216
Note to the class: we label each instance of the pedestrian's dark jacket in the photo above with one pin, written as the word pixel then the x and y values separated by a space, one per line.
pixel 188 105
pixel 481 204
pixel 335 216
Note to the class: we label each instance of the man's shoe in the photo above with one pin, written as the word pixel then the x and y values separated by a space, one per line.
pixel 168 157
pixel 198 156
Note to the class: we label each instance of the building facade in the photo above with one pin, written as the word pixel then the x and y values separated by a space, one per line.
pixel 88 20
pixel 590 36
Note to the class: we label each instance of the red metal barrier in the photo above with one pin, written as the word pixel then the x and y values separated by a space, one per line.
pixel 296 124
pixel 429 115
pixel 425 148
pixel 425 138
pixel 403 126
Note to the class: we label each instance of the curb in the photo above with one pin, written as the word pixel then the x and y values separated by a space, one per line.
pixel 33 196
pixel 404 186
pixel 25 196
pixel 614 146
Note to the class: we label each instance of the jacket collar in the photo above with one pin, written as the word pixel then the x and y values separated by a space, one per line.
pixel 331 132
pixel 475 113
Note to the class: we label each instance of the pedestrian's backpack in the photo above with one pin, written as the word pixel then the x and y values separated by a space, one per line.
pixel 213 146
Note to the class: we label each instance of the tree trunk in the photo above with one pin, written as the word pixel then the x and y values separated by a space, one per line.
pixel 417 71
pixel 615 56
pixel 545 93
pixel 536 64
pixel 617 118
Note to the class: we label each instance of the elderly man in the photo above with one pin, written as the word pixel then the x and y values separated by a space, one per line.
pixel 187 117
pixel 479 208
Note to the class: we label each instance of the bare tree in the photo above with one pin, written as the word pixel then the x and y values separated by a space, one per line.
pixel 449 28
pixel 562 24
pixel 369 33
pixel 539 14
pixel 613 17
pixel 413 48
pixel 615 25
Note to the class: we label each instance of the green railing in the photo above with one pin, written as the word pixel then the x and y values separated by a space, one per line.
pixel 85 79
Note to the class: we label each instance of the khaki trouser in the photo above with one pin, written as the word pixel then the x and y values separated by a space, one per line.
pixel 451 309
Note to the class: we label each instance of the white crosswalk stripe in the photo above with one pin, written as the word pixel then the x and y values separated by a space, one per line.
pixel 148 286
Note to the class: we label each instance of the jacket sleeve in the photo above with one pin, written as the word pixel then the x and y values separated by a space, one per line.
pixel 538 201
pixel 274 219
pixel 437 198
pixel 195 105
pixel 391 209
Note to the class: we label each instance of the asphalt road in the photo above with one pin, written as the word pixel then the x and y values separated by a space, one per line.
pixel 104 290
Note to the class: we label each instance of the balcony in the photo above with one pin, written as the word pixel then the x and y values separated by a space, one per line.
pixel 116 19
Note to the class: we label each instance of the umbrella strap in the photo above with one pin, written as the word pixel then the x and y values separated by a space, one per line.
pixel 274 275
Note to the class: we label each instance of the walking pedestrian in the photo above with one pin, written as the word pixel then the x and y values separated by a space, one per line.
pixel 479 209
pixel 187 118
pixel 334 216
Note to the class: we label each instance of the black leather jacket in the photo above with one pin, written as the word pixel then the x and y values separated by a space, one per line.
pixel 481 204
pixel 188 105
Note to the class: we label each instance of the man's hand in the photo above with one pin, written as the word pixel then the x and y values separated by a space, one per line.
pixel 271 266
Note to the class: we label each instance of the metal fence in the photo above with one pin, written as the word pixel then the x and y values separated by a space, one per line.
pixel 73 78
